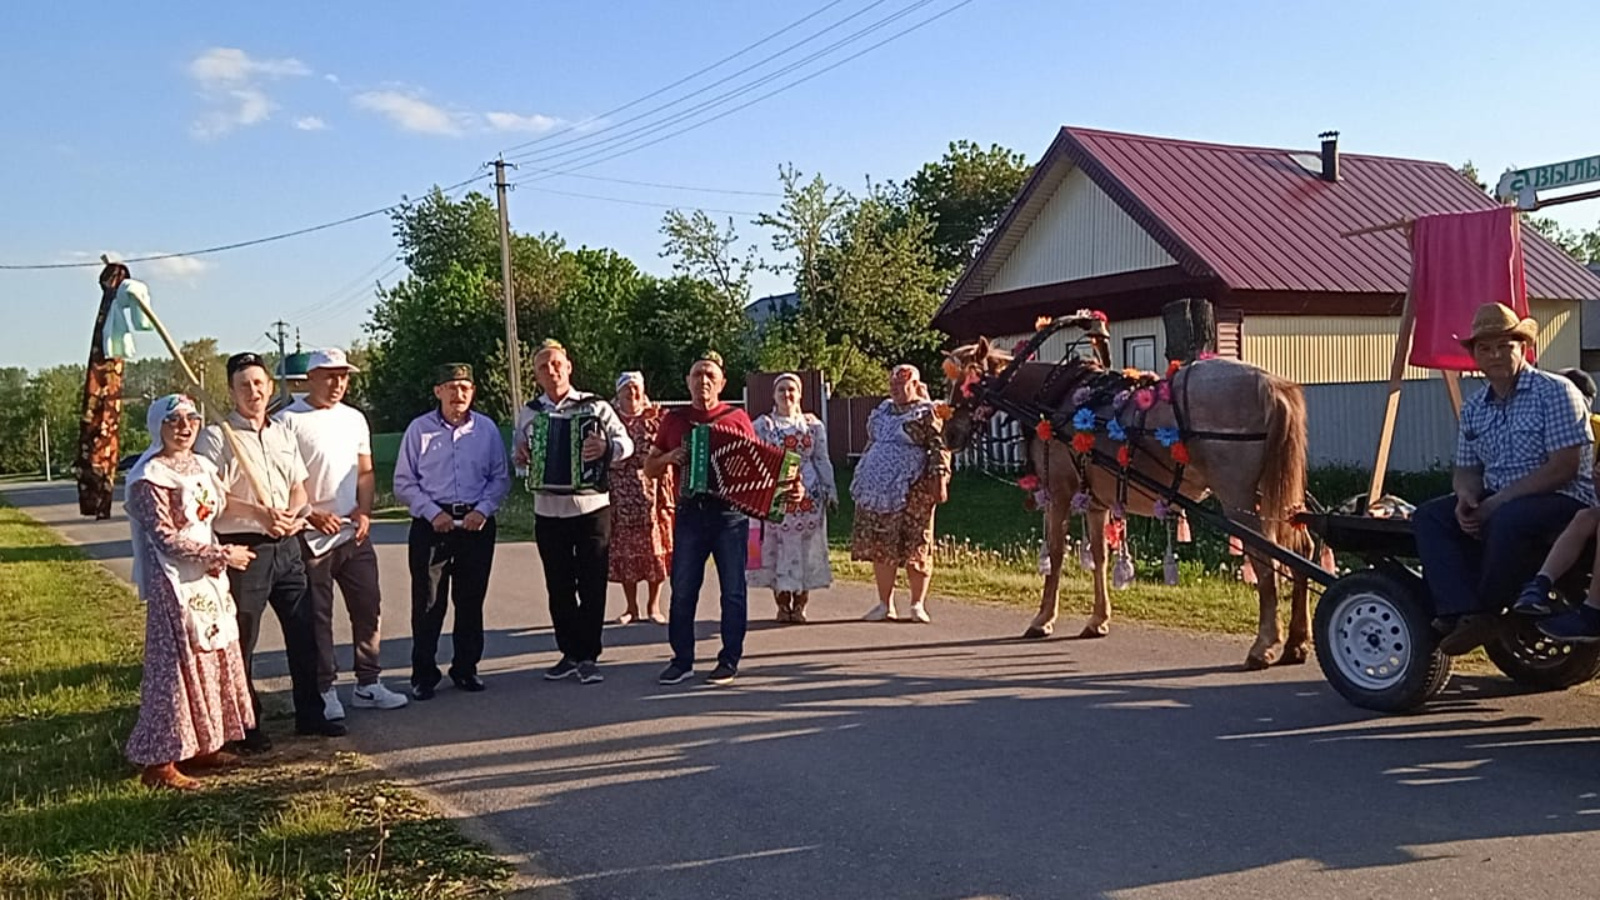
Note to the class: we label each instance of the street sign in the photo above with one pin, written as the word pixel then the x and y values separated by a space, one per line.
pixel 1523 184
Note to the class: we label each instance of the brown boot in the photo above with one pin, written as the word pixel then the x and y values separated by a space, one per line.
pixel 784 612
pixel 797 612
pixel 167 775
pixel 210 762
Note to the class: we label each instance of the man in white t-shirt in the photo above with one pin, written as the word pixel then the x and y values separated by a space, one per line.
pixel 337 447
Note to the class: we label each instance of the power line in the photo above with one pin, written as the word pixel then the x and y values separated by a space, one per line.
pixel 590 135
pixel 727 112
pixel 687 78
pixel 236 245
pixel 658 184
pixel 341 291
pixel 351 300
pixel 735 212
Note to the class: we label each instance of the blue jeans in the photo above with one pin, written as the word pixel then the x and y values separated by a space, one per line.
pixel 706 528
pixel 1467 574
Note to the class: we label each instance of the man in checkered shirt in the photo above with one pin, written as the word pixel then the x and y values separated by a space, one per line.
pixel 1521 473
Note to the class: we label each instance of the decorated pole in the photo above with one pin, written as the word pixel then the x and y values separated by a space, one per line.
pixel 96 462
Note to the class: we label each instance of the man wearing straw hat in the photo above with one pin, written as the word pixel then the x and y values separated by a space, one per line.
pixel 261 467
pixel 1522 471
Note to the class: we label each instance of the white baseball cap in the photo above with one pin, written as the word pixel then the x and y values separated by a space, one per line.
pixel 331 358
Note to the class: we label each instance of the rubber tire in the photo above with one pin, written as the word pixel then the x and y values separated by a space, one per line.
pixel 1428 671
pixel 1579 665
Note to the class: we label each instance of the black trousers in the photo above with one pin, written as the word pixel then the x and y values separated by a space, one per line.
pixel 455 563
pixel 277 578
pixel 576 552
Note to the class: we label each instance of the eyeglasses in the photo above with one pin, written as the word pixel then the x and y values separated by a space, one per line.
pixel 177 418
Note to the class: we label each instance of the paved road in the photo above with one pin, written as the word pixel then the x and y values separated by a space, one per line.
pixel 952 761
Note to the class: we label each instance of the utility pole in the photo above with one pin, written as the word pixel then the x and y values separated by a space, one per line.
pixel 44 444
pixel 513 349
pixel 280 335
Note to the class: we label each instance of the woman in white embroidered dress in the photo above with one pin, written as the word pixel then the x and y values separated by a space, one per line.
pixel 904 473
pixel 794 552
pixel 194 696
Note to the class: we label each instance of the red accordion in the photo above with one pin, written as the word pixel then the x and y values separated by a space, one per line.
pixel 739 469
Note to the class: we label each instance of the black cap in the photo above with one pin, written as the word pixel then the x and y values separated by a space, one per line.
pixel 241 361
pixel 453 372
pixel 1580 378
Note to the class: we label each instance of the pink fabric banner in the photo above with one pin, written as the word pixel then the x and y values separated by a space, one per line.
pixel 1460 261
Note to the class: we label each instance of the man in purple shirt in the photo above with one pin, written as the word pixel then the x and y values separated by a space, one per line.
pixel 452 475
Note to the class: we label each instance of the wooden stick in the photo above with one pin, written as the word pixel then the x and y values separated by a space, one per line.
pixel 172 345
pixel 1374 229
pixel 263 499
pixel 1397 374
pixel 1452 384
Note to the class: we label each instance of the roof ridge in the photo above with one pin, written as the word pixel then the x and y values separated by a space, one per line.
pixel 1080 131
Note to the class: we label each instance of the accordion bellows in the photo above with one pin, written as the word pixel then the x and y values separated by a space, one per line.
pixel 555 455
pixel 739 469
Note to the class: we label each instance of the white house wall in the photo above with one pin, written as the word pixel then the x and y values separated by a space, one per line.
pixel 1080 233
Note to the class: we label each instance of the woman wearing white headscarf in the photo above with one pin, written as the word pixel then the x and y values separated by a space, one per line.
pixel 641 506
pixel 904 473
pixel 794 552
pixel 194 696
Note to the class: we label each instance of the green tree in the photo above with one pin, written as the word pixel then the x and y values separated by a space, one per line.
pixel 963 194
pixel 435 233
pixel 676 319
pixel 19 423
pixel 701 248
pixel 454 316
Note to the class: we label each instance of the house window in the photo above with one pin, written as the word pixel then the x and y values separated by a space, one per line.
pixel 1139 353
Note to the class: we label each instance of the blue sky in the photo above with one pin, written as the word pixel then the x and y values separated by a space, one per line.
pixel 166 127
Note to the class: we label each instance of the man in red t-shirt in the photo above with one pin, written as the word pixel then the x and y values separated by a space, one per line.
pixel 706 527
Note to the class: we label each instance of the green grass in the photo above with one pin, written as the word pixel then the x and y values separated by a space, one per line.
pixel 299 822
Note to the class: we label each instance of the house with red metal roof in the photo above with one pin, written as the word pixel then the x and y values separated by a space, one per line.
pixel 1126 223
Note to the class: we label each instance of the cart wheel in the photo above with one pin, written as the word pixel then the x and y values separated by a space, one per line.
pixel 1531 659
pixel 1376 643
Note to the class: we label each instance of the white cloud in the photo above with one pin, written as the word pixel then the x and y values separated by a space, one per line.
pixel 175 268
pixel 230 83
pixel 410 112
pixel 330 78
pixel 530 124
pixel 310 123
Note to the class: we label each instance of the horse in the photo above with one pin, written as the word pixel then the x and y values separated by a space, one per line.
pixel 1244 430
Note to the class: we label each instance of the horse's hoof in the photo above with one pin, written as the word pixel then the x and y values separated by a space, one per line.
pixel 1091 632
pixel 1036 632
pixel 1256 664
pixel 1295 656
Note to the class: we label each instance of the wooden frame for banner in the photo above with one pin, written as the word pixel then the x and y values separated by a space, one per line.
pixel 1397 371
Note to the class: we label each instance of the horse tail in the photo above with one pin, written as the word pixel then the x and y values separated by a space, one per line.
pixel 1283 476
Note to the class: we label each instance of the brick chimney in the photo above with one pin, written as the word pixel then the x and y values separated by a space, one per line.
pixel 1330 156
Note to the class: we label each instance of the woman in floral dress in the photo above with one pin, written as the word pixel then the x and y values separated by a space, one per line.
pixel 794 552
pixel 641 507
pixel 903 474
pixel 194 696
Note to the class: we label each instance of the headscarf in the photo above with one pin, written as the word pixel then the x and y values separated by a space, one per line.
pixel 627 378
pixel 160 409
pixel 910 373
pixel 787 376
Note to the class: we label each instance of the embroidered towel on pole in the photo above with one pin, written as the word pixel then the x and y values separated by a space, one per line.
pixel 1460 261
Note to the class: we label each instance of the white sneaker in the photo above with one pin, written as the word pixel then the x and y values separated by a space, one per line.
pixel 880 613
pixel 332 709
pixel 919 613
pixel 376 696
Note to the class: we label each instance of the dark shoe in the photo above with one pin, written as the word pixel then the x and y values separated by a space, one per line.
pixel 1470 633
pixel 472 684
pixel 675 674
pixel 722 674
pixel 589 673
pixel 420 692
pixel 1580 626
pixel 1535 598
pixel 324 728
pixel 255 741
pixel 561 670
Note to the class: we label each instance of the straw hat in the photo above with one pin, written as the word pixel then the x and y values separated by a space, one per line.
pixel 1494 320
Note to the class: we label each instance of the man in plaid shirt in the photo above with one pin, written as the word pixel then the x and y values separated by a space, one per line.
pixel 1522 471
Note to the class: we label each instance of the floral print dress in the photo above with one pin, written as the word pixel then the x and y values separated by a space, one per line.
pixel 897 485
pixel 794 552
pixel 194 695
pixel 641 508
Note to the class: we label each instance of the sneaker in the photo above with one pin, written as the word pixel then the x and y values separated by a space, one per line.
pixel 376 696
pixel 722 674
pixel 421 692
pixel 675 674
pixel 589 673
pixel 332 709
pixel 1535 598
pixel 561 670
pixel 1580 626
pixel 883 612
pixel 919 613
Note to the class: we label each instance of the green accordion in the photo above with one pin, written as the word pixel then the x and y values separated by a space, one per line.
pixel 555 455
pixel 742 471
